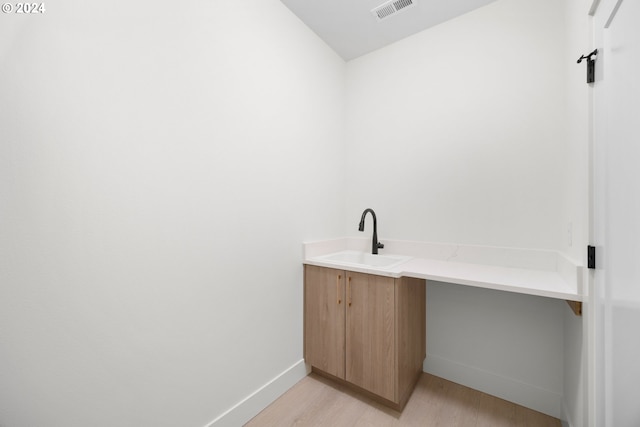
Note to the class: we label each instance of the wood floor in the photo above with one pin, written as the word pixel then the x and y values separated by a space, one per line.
pixel 316 401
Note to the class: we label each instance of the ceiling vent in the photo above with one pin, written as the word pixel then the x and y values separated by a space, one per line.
pixel 392 8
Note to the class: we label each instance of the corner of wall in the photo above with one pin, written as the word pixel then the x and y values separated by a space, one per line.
pixel 541 400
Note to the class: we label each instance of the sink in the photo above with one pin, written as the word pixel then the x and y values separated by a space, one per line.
pixel 363 259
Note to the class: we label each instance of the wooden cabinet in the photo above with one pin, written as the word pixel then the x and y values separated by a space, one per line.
pixel 366 331
pixel 370 333
pixel 324 319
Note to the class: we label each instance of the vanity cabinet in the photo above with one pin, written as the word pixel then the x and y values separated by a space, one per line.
pixel 365 330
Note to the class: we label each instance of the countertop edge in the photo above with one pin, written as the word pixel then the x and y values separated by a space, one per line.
pixel 538 282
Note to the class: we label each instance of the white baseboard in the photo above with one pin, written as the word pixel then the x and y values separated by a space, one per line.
pixel 251 406
pixel 527 395
pixel 536 398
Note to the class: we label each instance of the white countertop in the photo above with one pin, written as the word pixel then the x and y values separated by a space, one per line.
pixel 534 272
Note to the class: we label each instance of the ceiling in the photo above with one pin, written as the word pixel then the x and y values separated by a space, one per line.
pixel 352 30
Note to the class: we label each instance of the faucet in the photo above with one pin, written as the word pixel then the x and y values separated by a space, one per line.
pixel 375 245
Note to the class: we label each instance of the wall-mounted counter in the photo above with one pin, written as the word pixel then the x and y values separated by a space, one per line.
pixel 526 271
pixel 510 354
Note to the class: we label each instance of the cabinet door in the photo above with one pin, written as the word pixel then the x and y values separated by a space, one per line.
pixel 370 340
pixel 324 319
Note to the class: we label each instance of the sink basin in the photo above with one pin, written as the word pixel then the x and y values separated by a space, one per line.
pixel 364 259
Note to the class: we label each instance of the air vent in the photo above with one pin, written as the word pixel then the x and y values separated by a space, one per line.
pixel 391 8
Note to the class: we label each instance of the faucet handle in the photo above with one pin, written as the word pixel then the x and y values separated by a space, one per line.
pixel 380 245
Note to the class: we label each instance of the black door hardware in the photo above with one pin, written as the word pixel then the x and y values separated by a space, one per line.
pixel 591 65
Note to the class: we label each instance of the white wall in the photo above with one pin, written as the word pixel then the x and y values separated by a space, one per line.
pixel 576 175
pixel 505 344
pixel 457 134
pixel 575 380
pixel 148 150
pixel 460 134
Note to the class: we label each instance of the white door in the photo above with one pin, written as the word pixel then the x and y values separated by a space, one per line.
pixel 615 288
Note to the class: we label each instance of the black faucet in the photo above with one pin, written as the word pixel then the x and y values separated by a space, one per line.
pixel 375 245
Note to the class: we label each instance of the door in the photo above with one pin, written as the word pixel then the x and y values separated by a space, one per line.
pixel 615 284
pixel 324 319
pixel 370 341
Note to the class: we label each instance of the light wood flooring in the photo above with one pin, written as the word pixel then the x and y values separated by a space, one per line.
pixel 316 401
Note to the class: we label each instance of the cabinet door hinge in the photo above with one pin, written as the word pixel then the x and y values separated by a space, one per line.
pixel 591 256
